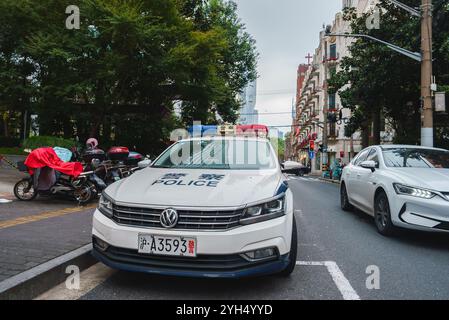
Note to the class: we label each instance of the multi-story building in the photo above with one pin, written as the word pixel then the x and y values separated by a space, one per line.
pixel 313 99
pixel 248 112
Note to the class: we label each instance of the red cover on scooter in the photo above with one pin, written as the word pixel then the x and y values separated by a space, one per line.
pixel 47 157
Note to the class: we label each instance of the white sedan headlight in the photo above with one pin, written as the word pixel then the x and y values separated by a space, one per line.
pixel 413 191
pixel 264 211
pixel 105 206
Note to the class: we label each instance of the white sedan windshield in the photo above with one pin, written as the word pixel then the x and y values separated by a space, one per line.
pixel 416 158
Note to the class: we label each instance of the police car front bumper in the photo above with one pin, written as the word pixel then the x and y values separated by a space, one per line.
pixel 226 266
pixel 219 253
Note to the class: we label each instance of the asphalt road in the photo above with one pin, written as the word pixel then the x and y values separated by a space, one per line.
pixel 335 250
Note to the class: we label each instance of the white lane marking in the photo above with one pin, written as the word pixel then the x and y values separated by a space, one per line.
pixel 89 279
pixel 337 275
pixel 341 282
pixel 303 178
pixel 98 273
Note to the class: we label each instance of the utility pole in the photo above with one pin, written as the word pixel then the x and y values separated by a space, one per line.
pixel 426 74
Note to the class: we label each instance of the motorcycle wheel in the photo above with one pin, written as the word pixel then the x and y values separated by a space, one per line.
pixel 24 190
pixel 85 193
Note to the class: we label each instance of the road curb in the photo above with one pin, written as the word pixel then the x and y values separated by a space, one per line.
pixel 35 281
pixel 330 180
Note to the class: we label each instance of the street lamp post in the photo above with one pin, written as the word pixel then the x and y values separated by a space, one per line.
pixel 425 57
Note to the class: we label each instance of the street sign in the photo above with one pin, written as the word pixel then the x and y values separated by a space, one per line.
pixel 311 155
pixel 440 102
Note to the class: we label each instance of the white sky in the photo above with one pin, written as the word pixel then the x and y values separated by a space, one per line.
pixel 285 31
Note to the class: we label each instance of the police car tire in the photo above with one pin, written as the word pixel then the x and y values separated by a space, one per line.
pixel 293 252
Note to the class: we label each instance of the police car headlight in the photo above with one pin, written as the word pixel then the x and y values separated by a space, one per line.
pixel 105 206
pixel 264 211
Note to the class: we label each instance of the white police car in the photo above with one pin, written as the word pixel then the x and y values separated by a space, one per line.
pixel 206 207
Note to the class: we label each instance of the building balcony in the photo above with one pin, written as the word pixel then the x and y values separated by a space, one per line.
pixel 332 59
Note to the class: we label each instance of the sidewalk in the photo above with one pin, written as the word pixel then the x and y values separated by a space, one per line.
pixel 318 176
pixel 329 180
pixel 37 232
pixel 9 176
pixel 32 233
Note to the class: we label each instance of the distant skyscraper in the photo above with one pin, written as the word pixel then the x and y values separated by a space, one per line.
pixel 248 112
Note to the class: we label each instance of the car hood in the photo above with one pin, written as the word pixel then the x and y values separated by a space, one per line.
pixel 195 188
pixel 435 179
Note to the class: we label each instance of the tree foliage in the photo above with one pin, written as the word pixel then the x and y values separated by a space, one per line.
pixel 375 80
pixel 118 76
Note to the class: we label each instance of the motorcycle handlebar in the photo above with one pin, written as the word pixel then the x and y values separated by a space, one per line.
pixel 83 174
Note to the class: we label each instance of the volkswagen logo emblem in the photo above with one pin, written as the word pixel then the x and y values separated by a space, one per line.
pixel 169 218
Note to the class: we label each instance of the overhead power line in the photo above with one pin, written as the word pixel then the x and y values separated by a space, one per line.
pixel 275 92
pixel 264 113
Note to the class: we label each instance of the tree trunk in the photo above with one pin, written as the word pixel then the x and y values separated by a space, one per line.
pixel 376 126
pixel 97 120
pixel 5 118
pixel 365 135
pixel 94 129
pixel 106 137
pixel 23 125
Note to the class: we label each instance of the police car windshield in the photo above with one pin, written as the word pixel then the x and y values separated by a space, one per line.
pixel 231 154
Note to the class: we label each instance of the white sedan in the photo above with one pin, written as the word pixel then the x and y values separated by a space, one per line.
pixel 400 186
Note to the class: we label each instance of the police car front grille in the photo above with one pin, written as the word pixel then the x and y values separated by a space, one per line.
pixel 188 219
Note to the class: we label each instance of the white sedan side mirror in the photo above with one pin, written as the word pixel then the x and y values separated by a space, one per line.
pixel 369 164
pixel 144 163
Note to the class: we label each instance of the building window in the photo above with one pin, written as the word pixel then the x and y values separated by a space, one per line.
pixel 333 52
pixel 332 101
pixel 332 129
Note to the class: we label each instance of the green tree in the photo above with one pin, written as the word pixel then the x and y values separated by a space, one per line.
pixel 236 60
pixel 374 80
pixel 281 148
pixel 117 77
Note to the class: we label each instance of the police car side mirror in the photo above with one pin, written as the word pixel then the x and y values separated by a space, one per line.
pixel 144 163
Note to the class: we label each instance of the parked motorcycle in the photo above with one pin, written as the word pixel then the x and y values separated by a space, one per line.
pixel 47 182
pixel 116 164
pixel 336 170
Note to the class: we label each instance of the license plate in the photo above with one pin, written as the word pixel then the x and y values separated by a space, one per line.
pixel 167 245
